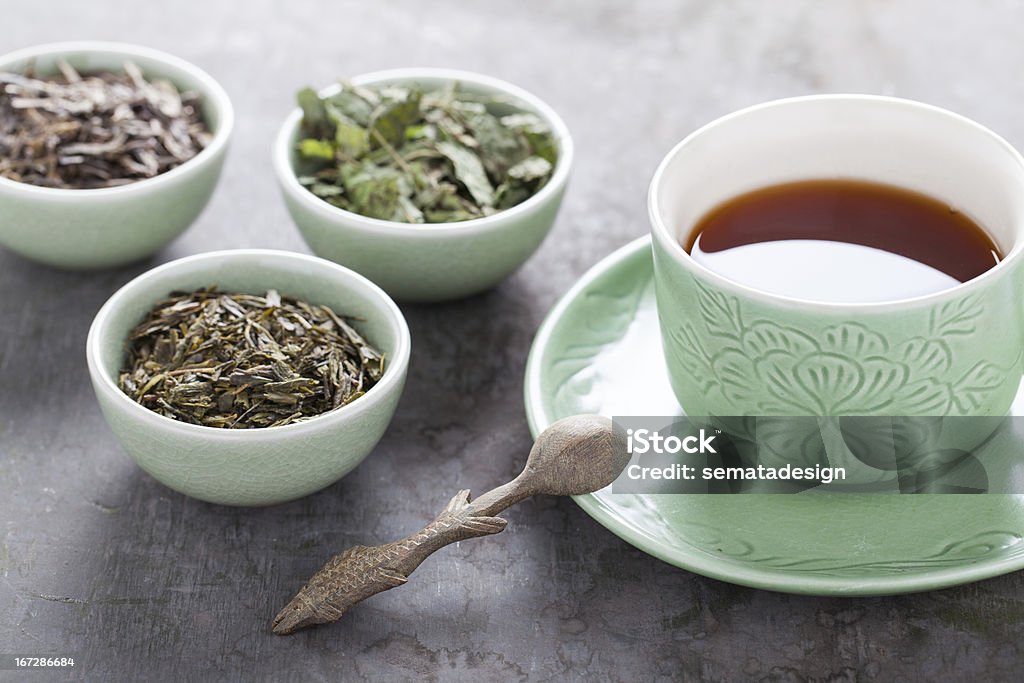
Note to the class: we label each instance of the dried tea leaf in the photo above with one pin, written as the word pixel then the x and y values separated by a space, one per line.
pixel 500 147
pixel 524 121
pixel 404 155
pixel 511 193
pixel 422 131
pixel 244 361
pixel 391 120
pixel 530 169
pixel 375 191
pixel 410 213
pixel 351 138
pixel 314 113
pixel 536 133
pixel 353 103
pixel 470 172
pixel 325 190
pixel 316 149
pixel 523 180
pixel 97 130
pixel 439 156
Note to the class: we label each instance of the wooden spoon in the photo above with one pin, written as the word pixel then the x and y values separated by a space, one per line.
pixel 575 455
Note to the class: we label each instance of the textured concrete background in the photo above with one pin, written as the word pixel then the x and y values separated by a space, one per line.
pixel 98 559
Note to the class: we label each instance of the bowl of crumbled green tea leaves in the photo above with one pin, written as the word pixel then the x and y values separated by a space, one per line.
pixel 248 377
pixel 435 184
pixel 107 151
pixel 245 361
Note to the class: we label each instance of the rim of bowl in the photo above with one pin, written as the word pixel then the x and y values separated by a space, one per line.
pixel 211 92
pixel 663 234
pixel 393 372
pixel 289 180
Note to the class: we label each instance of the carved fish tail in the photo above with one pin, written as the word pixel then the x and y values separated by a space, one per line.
pixel 362 571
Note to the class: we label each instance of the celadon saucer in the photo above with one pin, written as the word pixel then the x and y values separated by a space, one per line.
pixel 599 351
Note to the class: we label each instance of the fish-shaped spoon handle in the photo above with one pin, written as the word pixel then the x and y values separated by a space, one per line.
pixel 575 455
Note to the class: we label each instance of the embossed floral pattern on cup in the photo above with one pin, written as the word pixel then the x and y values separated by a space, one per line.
pixel 849 369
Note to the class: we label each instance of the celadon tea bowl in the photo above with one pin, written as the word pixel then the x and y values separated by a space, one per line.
pixel 735 350
pixel 430 261
pixel 106 227
pixel 250 466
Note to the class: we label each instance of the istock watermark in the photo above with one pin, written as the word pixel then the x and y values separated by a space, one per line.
pixel 854 454
pixel 642 441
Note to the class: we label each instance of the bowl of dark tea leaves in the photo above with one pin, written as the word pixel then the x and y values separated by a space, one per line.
pixel 107 151
pixel 435 184
pixel 248 377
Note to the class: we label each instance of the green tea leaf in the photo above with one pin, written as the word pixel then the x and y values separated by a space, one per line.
pixel 500 147
pixel 536 133
pixel 352 140
pixel 316 149
pixel 530 169
pixel 511 193
pixel 401 154
pixel 325 190
pixel 449 215
pixel 469 171
pixel 420 132
pixel 391 120
pixel 525 122
pixel 350 137
pixel 350 102
pixel 408 211
pixel 245 361
pixel 469 107
pixel 375 191
pixel 524 179
pixel 543 145
pixel 314 115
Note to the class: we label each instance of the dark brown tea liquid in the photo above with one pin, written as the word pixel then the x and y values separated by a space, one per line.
pixel 842 241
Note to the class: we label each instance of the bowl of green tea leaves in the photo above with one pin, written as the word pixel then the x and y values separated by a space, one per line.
pixel 107 151
pixel 435 184
pixel 250 376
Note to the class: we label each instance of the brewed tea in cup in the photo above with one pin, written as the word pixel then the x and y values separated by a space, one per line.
pixel 842 241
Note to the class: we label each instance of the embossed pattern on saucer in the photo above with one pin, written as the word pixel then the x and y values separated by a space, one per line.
pixel 599 351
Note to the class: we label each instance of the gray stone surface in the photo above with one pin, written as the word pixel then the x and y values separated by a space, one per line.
pixel 98 559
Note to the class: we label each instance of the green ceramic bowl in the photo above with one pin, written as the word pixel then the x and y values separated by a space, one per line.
pixel 87 229
pixel 431 262
pixel 255 466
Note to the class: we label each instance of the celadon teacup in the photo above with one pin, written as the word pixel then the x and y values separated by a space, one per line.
pixel 733 350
